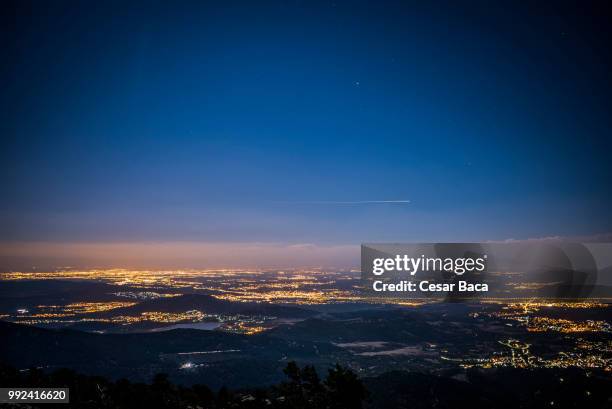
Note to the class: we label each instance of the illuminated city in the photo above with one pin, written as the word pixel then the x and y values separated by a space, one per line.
pixel 128 303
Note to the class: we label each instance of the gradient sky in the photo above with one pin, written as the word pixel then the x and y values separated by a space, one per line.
pixel 231 122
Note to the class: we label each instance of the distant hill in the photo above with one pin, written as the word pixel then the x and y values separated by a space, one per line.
pixel 218 358
pixel 30 293
pixel 396 325
pixel 212 305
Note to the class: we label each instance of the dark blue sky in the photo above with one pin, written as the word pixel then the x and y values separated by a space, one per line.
pixel 225 121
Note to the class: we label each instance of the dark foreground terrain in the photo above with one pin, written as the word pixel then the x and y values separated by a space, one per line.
pixel 340 389
pixel 213 369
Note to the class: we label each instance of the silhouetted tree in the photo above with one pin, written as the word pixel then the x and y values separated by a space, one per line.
pixel 205 397
pixel 345 390
pixel 304 390
pixel 223 397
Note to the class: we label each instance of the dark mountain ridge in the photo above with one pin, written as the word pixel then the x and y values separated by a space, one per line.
pixel 211 305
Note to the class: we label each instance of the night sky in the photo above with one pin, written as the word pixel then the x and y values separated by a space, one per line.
pixel 287 122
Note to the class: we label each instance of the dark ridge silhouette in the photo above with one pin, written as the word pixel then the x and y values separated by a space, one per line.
pixel 212 305
pixel 246 360
pixel 302 390
pixel 341 389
